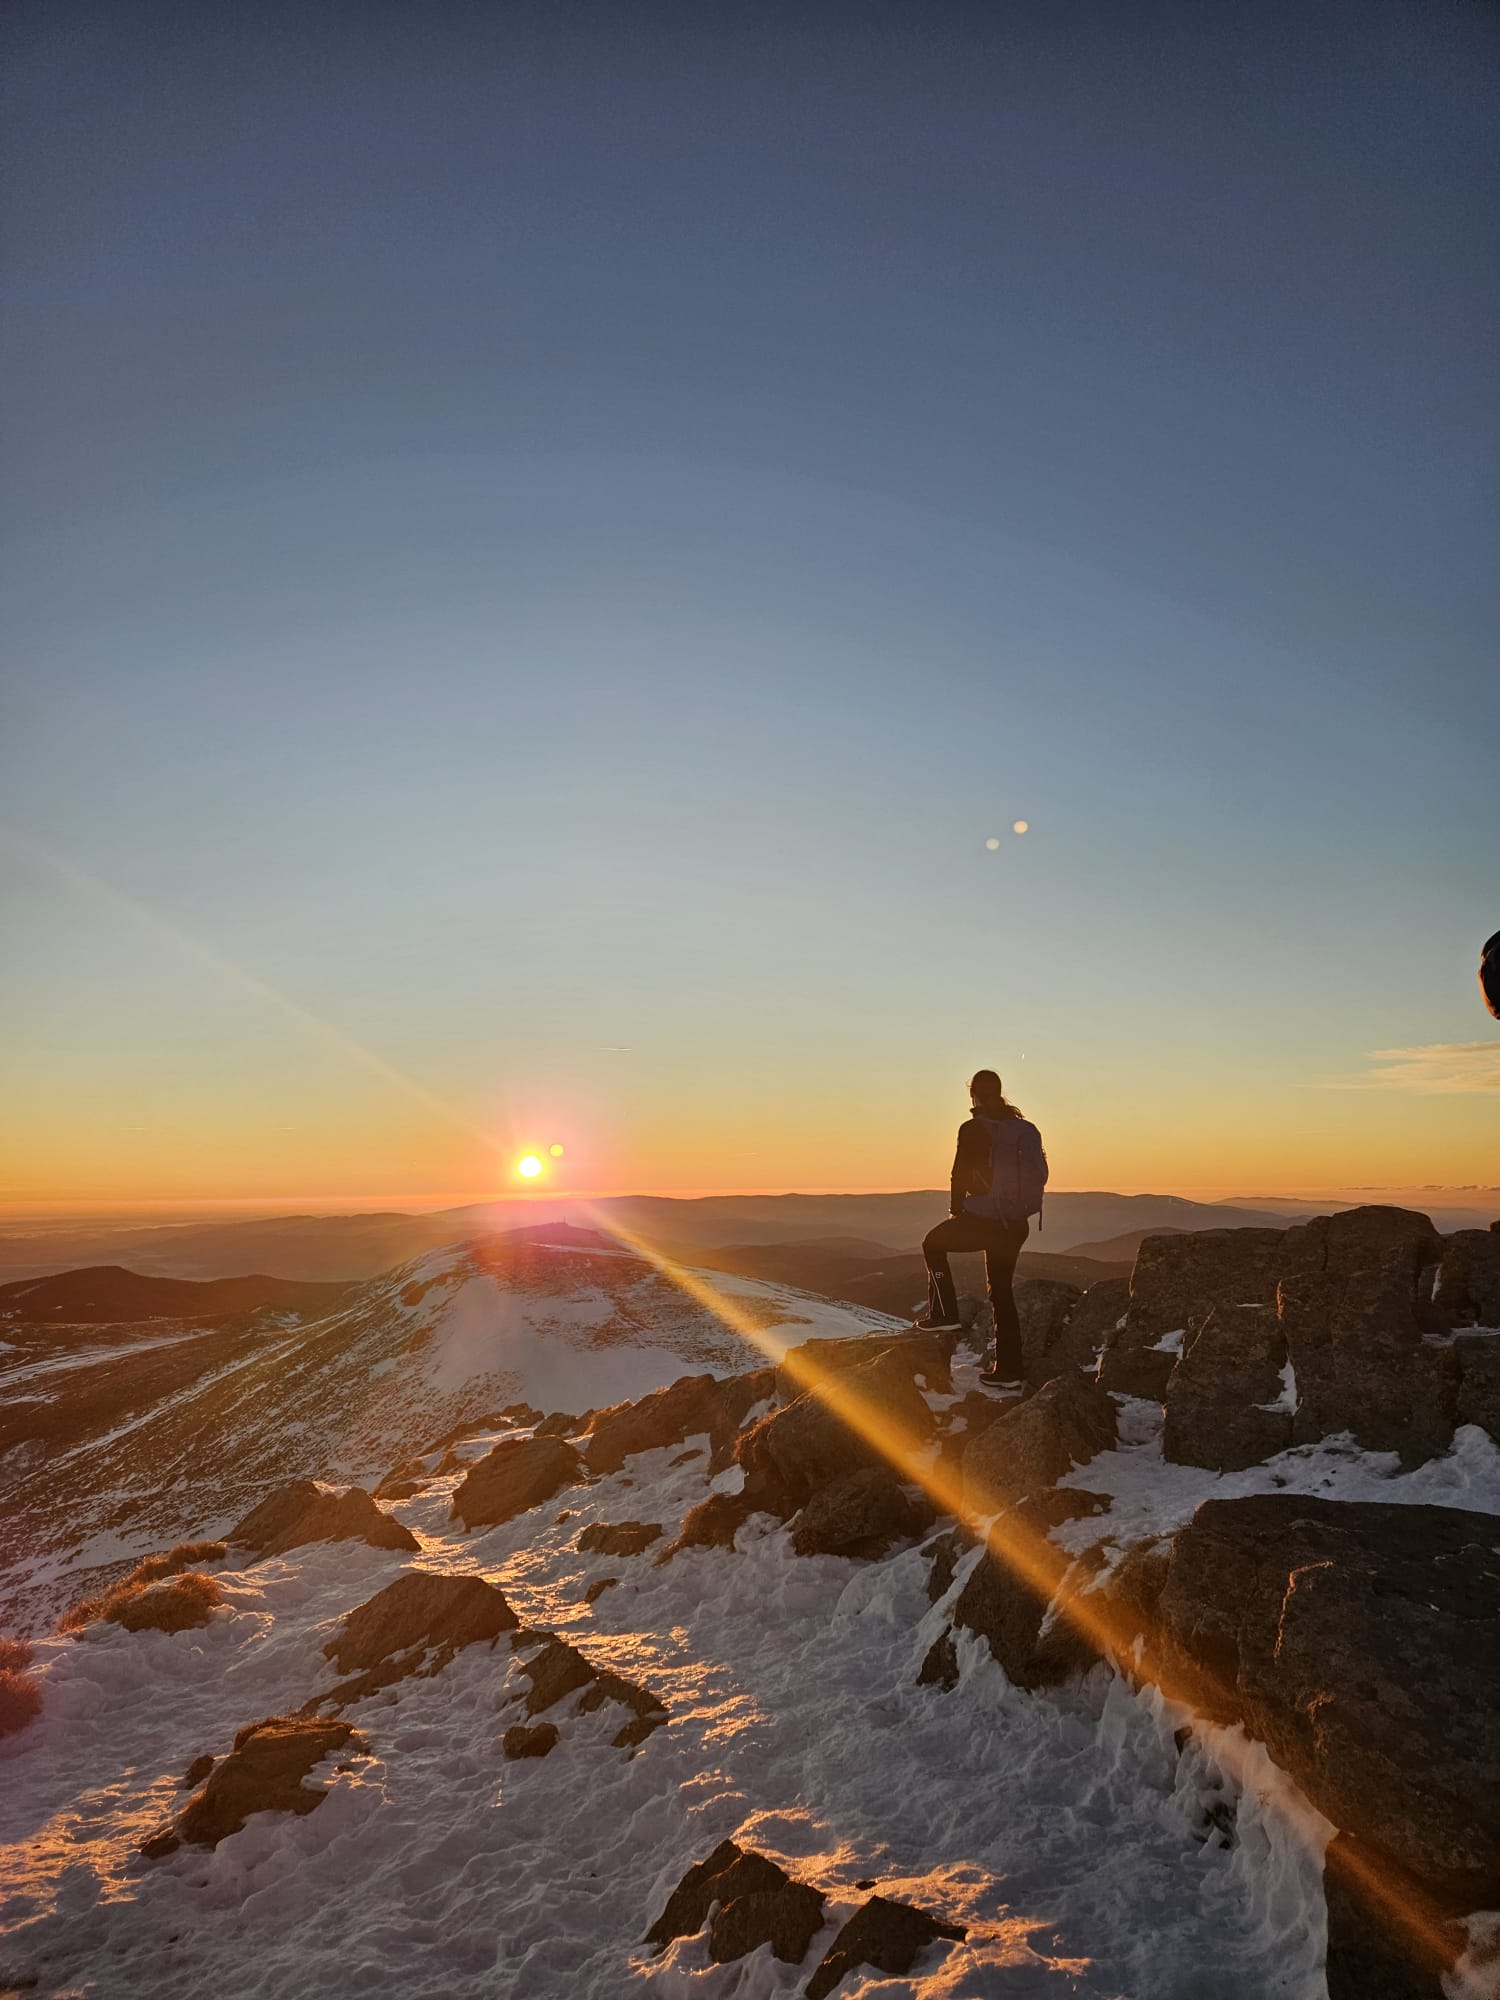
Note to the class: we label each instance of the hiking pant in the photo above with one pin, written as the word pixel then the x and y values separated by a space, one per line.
pixel 1001 1243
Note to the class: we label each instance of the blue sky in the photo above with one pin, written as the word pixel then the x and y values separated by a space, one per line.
pixel 553 549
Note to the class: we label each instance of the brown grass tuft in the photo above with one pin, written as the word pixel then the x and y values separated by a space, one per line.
pixel 20 1699
pixel 14 1654
pixel 172 1604
pixel 107 1603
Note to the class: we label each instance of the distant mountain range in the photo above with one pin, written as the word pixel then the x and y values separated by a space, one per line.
pixel 1101 1226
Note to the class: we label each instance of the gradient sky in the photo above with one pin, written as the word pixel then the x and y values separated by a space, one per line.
pixel 535 558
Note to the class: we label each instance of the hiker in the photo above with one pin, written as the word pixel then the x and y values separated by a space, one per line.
pixel 999 1171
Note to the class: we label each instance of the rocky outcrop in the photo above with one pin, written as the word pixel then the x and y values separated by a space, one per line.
pixel 885 1935
pixel 557 1669
pixel 415 1624
pixel 1010 1597
pixel 1357 1347
pixel 1042 1307
pixel 754 1902
pixel 1033 1443
pixel 858 1419
pixel 1091 1320
pixel 1177 1282
pixel 1225 1401
pixel 618 1538
pixel 691 1406
pixel 1478 1400
pixel 518 1474
pixel 1358 1641
pixel 863 1515
pixel 1467 1291
pixel 264 1772
pixel 306 1511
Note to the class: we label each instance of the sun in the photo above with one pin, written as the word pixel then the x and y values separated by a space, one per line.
pixel 528 1167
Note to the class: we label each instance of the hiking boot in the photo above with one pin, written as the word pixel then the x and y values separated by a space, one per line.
pixel 1008 1385
pixel 928 1324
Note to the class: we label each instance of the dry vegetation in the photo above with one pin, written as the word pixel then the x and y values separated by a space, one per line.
pixel 162 1594
pixel 20 1694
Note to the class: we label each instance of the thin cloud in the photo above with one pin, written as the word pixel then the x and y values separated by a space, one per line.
pixel 1437 1069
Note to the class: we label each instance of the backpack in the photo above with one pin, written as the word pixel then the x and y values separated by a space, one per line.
pixel 1018 1172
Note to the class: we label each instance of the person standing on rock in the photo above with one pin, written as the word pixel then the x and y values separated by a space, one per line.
pixel 999 1172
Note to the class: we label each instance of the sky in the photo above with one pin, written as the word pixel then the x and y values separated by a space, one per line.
pixel 545 554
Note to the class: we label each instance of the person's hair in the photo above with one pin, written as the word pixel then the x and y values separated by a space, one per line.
pixel 988 1093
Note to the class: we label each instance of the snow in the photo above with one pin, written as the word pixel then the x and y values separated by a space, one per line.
pixel 1170 1343
pixel 1286 1402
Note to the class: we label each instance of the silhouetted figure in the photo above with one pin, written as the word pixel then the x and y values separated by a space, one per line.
pixel 999 1172
pixel 1489 975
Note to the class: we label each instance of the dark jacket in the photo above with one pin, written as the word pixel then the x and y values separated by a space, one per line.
pixel 971 1164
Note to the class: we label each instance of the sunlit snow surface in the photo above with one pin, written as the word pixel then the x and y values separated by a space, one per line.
pixel 1063 1830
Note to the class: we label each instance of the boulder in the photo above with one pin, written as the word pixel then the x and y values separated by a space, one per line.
pixel 1478 1358
pixel 420 1611
pixel 306 1511
pixel 561 1424
pixel 689 1406
pixel 1177 1282
pixel 262 1773
pixel 519 1473
pixel 1398 1946
pixel 619 1538
pixel 598 1587
pixel 757 1903
pixel 1225 1407
pixel 1360 1239
pixel 557 1669
pixel 923 1357
pixel 1033 1443
pixel 529 1739
pixel 861 1515
pixel 1043 1306
pixel 1356 1344
pixel 1358 1641
pixel 1009 1595
pixel 872 1415
pixel 947 1551
pixel 940 1664
pixel 884 1935
pixel 1467 1292
pixel 1091 1321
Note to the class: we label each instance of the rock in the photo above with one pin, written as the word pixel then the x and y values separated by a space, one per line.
pixel 758 1903
pixel 861 1515
pixel 1467 1292
pixel 1043 1306
pixel 786 1918
pixel 922 1357
pixel 1360 1239
pixel 1478 1358
pixel 263 1773
pixel 422 1610
pixel 1177 1282
pixel 948 1551
pixel 1358 1641
pixel 871 1415
pixel 940 1665
pixel 558 1669
pixel 518 1474
pixel 1091 1322
pixel 560 1424
pixel 1005 1601
pixel 885 1935
pixel 622 1538
pixel 692 1404
pixel 1372 1955
pixel 1033 1443
pixel 1356 1345
pixel 195 1773
pixel 529 1739
pixel 1224 1397
pixel 305 1511
pixel 709 1525
pixel 597 1588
